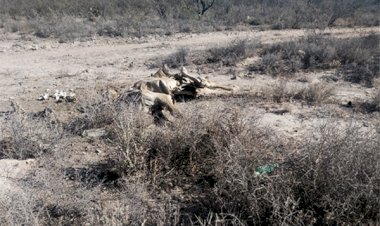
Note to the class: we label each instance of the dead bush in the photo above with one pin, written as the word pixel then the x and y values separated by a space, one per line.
pixel 360 59
pixel 278 92
pixel 110 28
pixel 26 137
pixel 315 93
pixel 22 210
pixel 177 59
pixel 94 115
pixel 344 178
pixel 128 134
pixel 356 58
pixel 312 94
pixel 65 29
pixel 231 54
pixel 330 181
pixel 373 105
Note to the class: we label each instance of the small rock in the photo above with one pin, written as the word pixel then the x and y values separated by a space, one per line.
pixel 33 47
pixel 94 133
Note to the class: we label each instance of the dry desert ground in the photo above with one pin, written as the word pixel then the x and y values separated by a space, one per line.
pixel 56 170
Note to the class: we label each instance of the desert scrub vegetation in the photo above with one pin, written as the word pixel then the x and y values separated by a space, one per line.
pixel 231 54
pixel 311 94
pixel 227 55
pixel 203 167
pixel 370 106
pixel 179 58
pixel 28 136
pixel 356 59
pixel 139 18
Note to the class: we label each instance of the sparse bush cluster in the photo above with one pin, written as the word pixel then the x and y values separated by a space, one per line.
pixel 356 59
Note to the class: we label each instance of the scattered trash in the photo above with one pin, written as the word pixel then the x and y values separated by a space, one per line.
pixel 58 96
pixel 265 169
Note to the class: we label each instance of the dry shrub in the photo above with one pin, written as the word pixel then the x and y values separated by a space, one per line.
pixel 94 115
pixel 360 59
pixel 128 134
pixel 189 154
pixel 280 59
pixel 373 105
pixel 26 137
pixel 278 92
pixel 343 165
pixel 355 58
pixel 330 181
pixel 231 54
pixel 177 59
pixel 110 29
pixel 65 29
pixel 59 194
pixel 22 210
pixel 315 93
pixel 312 94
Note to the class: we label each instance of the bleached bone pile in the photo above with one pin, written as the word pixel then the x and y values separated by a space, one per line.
pixel 58 96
